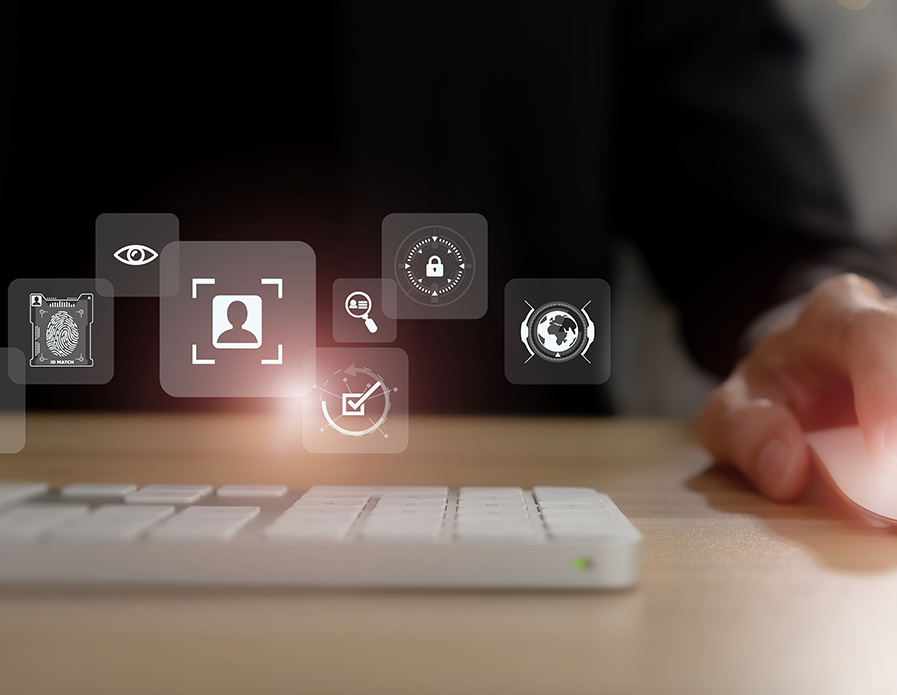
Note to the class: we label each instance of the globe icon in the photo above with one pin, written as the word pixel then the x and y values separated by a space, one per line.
pixel 557 331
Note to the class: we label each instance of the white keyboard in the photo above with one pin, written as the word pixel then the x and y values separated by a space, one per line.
pixel 329 535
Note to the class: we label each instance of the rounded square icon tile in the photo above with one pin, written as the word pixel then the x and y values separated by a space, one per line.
pixel 242 321
pixel 12 402
pixel 557 331
pixel 64 327
pixel 364 310
pixel 128 250
pixel 439 262
pixel 359 403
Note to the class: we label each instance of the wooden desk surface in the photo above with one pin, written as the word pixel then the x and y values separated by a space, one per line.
pixel 740 595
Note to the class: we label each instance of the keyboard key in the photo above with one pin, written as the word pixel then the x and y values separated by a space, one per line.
pixel 397 495
pixel 16 492
pixel 565 494
pixel 413 502
pixel 215 526
pixel 465 514
pixel 252 491
pixel 469 492
pixel 422 534
pixel 579 513
pixel 29 522
pixel 323 512
pixel 113 522
pixel 380 489
pixel 169 494
pixel 491 504
pixel 324 495
pixel 208 510
pixel 98 490
pixel 331 502
pixel 407 513
pixel 579 504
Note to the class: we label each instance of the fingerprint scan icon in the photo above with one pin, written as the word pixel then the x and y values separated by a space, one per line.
pixel 61 328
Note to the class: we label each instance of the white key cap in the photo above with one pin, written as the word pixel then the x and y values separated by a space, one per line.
pixel 252 491
pixel 208 510
pixel 380 489
pixel 29 522
pixel 312 511
pixel 491 504
pixel 352 495
pixel 407 513
pixel 420 534
pixel 98 490
pixel 491 522
pixel 583 504
pixel 405 495
pixel 405 502
pixel 579 514
pixel 113 522
pixel 564 494
pixel 493 514
pixel 169 494
pixel 469 492
pixel 205 527
pixel 16 492
pixel 330 502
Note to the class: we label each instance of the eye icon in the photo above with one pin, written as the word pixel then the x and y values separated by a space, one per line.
pixel 135 254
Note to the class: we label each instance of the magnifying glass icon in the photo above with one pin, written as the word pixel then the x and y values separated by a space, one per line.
pixel 358 306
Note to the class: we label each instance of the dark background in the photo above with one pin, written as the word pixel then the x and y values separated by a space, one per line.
pixel 675 124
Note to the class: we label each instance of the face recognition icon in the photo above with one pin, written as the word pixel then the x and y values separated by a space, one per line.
pixel 438 262
pixel 237 321
pixel 67 335
pixel 242 321
pixel 128 247
pixel 359 403
pixel 362 309
pixel 557 331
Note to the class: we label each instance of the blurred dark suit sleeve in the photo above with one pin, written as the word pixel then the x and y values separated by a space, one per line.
pixel 719 174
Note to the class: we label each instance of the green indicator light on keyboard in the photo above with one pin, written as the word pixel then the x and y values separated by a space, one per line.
pixel 581 564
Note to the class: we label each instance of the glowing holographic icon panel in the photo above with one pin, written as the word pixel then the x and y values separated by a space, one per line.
pixel 439 262
pixel 359 402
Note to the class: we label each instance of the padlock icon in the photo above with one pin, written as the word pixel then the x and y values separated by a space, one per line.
pixel 435 268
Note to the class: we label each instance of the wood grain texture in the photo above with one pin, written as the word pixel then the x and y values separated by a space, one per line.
pixel 740 595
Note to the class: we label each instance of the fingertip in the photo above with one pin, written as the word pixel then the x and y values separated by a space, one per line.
pixel 782 468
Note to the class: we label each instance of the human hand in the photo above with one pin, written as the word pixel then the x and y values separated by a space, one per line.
pixel 835 365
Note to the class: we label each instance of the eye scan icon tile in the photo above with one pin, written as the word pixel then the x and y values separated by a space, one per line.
pixel 557 331
pixel 128 250
pixel 242 322
pixel 65 328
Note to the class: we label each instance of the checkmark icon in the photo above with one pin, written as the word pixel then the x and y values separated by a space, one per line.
pixel 356 406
